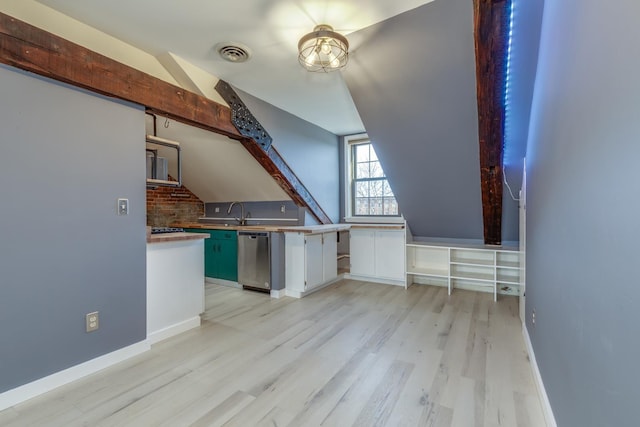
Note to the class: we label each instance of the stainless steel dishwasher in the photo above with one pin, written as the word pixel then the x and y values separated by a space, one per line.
pixel 254 261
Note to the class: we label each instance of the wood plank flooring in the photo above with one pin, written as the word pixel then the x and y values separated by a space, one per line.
pixel 353 354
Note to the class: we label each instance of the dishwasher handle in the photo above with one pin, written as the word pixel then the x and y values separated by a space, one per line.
pixel 252 234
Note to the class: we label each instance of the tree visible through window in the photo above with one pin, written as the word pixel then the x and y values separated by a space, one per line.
pixel 371 193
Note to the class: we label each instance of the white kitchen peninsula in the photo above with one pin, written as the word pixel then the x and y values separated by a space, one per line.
pixel 311 258
pixel 175 284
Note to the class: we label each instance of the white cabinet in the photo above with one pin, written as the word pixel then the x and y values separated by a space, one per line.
pixel 330 256
pixel 487 269
pixel 378 255
pixel 310 261
pixel 362 254
pixel 175 287
pixel 314 257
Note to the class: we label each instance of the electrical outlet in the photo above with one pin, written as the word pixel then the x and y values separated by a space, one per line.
pixel 283 209
pixel 92 321
pixel 533 317
pixel 217 209
pixel 123 206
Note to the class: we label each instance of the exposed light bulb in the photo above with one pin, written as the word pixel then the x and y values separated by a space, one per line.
pixel 325 47
pixel 334 61
pixel 312 58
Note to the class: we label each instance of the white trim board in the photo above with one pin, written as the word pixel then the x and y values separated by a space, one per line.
pixel 380 280
pixel 175 329
pixel 43 385
pixel 298 294
pixel 542 392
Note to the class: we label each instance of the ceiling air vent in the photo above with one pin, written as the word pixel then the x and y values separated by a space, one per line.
pixel 233 52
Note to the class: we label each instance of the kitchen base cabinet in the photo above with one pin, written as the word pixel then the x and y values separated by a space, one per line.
pixel 311 262
pixel 220 254
pixel 175 287
pixel 378 255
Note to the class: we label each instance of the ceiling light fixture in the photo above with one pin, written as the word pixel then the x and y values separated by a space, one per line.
pixel 323 50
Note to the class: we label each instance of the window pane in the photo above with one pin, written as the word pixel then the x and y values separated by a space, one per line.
pixel 375 189
pixel 375 206
pixel 362 206
pixel 386 189
pixel 361 152
pixel 372 154
pixel 376 170
pixel 362 189
pixel 362 170
pixel 390 206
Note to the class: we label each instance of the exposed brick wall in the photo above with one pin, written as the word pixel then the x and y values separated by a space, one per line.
pixel 168 205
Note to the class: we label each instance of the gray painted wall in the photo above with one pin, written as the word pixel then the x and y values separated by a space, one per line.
pixel 310 151
pixel 66 157
pixel 413 82
pixel 583 212
pixel 257 213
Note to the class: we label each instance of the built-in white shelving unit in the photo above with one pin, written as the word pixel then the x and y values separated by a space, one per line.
pixel 482 268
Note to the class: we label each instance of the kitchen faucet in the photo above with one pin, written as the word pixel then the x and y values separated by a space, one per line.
pixel 243 219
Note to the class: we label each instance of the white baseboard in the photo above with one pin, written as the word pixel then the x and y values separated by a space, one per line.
pixel 278 293
pixel 375 280
pixel 28 391
pixel 300 294
pixel 172 330
pixel 542 392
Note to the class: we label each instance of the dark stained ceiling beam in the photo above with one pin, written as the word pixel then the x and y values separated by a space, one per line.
pixel 35 50
pixel 491 28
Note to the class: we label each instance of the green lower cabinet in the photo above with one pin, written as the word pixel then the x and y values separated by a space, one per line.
pixel 209 258
pixel 225 249
pixel 220 253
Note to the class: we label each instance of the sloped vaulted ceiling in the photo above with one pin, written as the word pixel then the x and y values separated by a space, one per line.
pixel 413 82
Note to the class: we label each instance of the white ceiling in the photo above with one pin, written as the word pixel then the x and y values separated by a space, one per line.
pixel 270 28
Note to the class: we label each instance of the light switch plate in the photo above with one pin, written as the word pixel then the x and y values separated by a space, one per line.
pixel 123 206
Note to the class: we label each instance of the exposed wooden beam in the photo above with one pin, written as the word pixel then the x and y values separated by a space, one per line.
pixel 30 48
pixel 491 24
pixel 33 49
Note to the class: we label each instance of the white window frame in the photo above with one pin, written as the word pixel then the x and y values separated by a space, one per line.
pixel 348 187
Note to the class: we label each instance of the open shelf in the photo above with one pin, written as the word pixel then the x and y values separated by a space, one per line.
pixel 433 272
pixel 465 267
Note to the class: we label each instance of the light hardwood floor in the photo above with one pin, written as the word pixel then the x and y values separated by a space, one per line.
pixel 353 354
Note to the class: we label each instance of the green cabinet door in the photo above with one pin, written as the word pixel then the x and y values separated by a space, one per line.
pixel 225 248
pixel 220 253
pixel 209 258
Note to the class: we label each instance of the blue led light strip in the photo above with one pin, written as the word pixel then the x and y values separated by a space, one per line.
pixel 508 67
pixel 507 79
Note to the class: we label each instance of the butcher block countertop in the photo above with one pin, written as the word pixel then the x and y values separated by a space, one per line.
pixel 307 229
pixel 175 237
